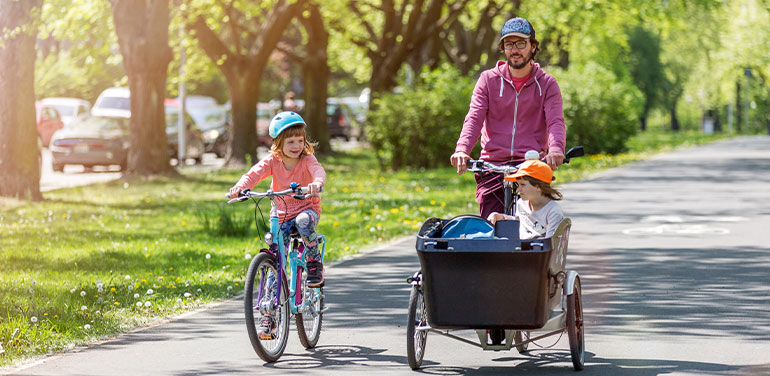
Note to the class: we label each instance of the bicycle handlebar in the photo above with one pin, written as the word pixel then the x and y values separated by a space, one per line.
pixel 478 165
pixel 299 193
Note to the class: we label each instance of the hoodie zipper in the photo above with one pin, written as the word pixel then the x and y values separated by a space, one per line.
pixel 516 105
pixel 515 108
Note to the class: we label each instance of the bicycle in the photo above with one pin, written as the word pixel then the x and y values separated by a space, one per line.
pixel 281 265
pixel 439 304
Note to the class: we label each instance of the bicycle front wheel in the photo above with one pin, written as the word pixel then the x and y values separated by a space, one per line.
pixel 266 322
pixel 309 321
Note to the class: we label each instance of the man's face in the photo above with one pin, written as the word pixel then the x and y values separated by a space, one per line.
pixel 518 57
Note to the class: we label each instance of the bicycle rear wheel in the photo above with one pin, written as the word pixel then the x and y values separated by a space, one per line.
pixel 259 304
pixel 415 339
pixel 575 329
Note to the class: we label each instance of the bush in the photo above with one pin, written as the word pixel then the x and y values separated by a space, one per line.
pixel 601 111
pixel 420 127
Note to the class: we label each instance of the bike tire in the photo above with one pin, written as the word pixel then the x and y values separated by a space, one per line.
pixel 416 340
pixel 309 336
pixel 575 328
pixel 518 337
pixel 269 350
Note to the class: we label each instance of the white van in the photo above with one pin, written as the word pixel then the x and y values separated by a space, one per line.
pixel 113 102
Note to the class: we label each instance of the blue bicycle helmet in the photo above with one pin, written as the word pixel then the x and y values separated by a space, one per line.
pixel 284 120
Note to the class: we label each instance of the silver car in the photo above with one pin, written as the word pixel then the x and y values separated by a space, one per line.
pixel 91 141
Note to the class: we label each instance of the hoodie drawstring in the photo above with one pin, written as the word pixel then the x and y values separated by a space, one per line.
pixel 502 84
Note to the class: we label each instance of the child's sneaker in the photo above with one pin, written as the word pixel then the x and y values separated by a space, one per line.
pixel 315 276
pixel 265 330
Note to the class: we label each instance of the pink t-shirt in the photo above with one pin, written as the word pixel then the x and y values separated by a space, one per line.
pixel 307 170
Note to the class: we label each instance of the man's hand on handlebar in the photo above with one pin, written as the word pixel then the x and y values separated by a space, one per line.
pixel 460 161
pixel 554 160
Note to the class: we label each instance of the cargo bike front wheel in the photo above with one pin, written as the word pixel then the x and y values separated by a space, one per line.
pixel 415 338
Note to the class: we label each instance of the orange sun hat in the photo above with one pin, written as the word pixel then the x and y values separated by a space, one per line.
pixel 534 168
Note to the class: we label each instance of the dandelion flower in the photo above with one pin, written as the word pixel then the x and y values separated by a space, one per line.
pixel 138 304
pixel 136 296
pixel 73 291
pixel 83 308
pixel 149 292
pixel 82 293
pixel 128 277
pixel 229 288
pixel 87 326
pixel 112 289
pixel 33 319
pixel 248 256
pixel 147 304
pixel 208 256
pixel 187 295
pixel 34 282
pixel 116 303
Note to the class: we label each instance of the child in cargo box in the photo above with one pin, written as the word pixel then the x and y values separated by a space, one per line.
pixel 536 209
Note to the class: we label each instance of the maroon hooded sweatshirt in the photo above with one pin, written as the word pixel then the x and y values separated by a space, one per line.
pixel 511 123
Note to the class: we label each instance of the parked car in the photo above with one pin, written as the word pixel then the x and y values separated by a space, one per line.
pixel 213 123
pixel 195 147
pixel 69 108
pixel 91 141
pixel 48 122
pixel 115 102
pixel 345 117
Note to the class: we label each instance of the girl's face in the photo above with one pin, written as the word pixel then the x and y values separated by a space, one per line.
pixel 293 146
pixel 527 191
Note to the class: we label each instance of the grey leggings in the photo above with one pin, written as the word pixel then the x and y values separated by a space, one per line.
pixel 305 222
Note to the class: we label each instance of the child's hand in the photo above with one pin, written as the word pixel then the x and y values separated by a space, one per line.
pixel 235 192
pixel 314 189
pixel 494 217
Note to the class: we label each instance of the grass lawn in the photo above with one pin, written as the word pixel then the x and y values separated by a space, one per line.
pixel 90 262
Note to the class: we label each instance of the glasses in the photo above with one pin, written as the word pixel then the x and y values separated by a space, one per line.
pixel 519 45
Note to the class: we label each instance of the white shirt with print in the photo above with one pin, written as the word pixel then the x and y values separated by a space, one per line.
pixel 540 223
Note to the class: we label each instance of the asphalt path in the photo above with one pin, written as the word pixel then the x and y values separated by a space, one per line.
pixel 675 264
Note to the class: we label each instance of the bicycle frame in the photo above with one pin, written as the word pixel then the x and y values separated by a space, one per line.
pixel 296 263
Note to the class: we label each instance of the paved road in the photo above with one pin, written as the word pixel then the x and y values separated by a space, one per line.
pixel 675 263
pixel 74 175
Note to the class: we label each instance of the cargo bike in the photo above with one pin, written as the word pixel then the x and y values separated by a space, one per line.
pixel 495 284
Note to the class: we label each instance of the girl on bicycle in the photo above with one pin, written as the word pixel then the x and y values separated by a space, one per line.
pixel 536 209
pixel 290 160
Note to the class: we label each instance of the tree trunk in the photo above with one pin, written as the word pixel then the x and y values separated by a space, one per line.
pixel 674 120
pixel 738 107
pixel 243 82
pixel 315 69
pixel 142 30
pixel 243 68
pixel 19 148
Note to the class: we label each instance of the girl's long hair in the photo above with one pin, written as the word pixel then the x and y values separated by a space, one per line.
pixel 546 188
pixel 293 131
